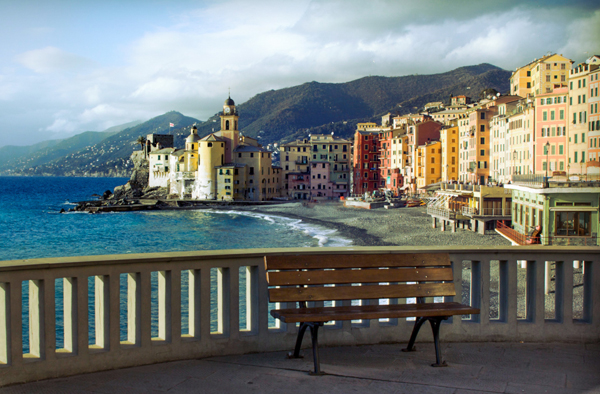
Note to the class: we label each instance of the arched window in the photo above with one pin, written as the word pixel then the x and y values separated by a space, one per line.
pixel 226 125
pixel 209 144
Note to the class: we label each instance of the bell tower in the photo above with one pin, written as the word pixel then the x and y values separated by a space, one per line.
pixel 229 128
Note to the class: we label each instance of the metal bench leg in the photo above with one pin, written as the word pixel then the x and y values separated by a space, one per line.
pixel 314 333
pixel 413 336
pixel 296 354
pixel 435 327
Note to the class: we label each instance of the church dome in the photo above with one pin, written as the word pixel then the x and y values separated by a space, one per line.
pixel 193 137
pixel 229 101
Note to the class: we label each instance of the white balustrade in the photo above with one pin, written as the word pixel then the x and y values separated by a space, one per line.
pixel 239 322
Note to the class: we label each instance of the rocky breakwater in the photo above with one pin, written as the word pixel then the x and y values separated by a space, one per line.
pixel 134 195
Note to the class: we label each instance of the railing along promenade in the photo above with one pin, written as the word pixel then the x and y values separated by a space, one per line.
pixel 209 284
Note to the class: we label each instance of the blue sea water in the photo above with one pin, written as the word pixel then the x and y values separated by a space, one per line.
pixel 32 227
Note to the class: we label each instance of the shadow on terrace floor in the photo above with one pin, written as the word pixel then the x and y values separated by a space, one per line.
pixel 474 368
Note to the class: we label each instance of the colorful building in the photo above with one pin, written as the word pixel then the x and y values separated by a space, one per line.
pixel 551 141
pixel 578 116
pixel 365 159
pixel 540 76
pixel 449 144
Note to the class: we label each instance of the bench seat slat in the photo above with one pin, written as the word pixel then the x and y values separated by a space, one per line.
pixel 325 314
pixel 322 293
pixel 320 277
pixel 287 262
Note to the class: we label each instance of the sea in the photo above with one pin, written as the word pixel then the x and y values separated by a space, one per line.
pixel 33 227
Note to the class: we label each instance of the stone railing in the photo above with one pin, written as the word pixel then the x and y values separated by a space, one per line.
pixel 126 310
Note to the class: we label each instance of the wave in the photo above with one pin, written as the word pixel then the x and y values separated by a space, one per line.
pixel 325 237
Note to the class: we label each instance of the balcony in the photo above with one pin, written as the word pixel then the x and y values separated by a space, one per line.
pixel 184 175
pixel 441 213
pixel 170 307
pixel 486 212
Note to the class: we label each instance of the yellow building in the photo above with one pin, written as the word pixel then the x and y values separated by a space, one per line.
pixel 225 165
pixel 540 76
pixel 429 164
pixel 449 159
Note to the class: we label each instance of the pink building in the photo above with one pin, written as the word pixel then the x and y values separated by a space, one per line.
pixel 320 184
pixel 551 131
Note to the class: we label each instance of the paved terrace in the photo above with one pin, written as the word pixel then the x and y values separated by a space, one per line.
pixel 523 341
pixel 473 368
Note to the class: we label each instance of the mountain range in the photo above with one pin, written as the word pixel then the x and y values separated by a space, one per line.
pixel 273 116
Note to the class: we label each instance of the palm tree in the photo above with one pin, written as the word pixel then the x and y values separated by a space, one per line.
pixel 141 140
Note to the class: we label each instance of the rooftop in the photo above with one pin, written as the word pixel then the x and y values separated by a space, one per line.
pixel 473 368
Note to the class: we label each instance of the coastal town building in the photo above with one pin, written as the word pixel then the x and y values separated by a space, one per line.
pixel 579 110
pixel 553 213
pixel 594 120
pixel 540 76
pixel 223 165
pixel 449 144
pixel 365 159
pixel 429 164
pixel 470 207
pixel 418 134
pixel 456 101
pixel 296 168
pixel 551 141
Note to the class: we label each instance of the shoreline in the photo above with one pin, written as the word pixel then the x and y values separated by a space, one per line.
pixel 377 227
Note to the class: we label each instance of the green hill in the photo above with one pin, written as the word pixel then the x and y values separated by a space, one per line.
pixel 297 110
pixel 274 116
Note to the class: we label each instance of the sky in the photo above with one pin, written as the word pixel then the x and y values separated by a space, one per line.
pixel 68 66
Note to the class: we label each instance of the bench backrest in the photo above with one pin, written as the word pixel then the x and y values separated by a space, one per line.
pixel 331 277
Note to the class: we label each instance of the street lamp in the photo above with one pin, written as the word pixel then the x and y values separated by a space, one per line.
pixel 582 168
pixel 568 170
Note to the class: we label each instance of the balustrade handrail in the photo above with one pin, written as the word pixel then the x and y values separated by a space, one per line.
pixel 232 283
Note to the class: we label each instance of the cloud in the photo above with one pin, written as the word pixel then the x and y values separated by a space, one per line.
pixel 583 37
pixel 51 59
pixel 190 61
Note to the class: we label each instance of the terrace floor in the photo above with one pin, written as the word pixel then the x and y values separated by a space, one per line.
pixel 473 368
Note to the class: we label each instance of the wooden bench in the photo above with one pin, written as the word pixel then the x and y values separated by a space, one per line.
pixel 314 279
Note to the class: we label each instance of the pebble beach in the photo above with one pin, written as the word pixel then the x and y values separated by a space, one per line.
pixel 379 227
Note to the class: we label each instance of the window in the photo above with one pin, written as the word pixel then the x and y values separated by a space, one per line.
pixel 482 140
pixel 551 115
pixel 575 224
pixel 545 115
pixel 482 127
pixel 483 115
pixel 562 114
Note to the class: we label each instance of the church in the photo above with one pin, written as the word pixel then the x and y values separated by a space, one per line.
pixel 225 165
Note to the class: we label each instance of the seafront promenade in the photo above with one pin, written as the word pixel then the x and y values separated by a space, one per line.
pixel 531 368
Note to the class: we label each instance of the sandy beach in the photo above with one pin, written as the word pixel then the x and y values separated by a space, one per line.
pixel 378 227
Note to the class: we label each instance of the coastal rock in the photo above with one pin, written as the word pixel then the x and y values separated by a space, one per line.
pixel 137 182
